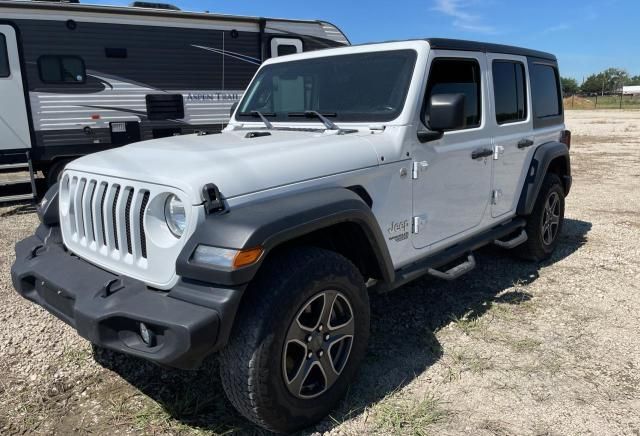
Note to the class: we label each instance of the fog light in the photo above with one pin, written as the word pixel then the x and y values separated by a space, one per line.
pixel 148 337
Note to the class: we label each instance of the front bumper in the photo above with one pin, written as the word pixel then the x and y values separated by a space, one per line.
pixel 189 322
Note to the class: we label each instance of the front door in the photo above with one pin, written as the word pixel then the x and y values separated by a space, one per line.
pixel 511 124
pixel 14 124
pixel 452 177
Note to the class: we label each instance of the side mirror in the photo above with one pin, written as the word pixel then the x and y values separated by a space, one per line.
pixel 446 112
pixel 234 106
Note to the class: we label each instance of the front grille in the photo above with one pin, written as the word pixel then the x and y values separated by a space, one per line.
pixel 105 214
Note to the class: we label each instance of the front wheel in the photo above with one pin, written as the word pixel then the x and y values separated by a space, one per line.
pixel 299 339
pixel 545 222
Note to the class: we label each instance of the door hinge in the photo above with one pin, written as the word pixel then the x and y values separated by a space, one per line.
pixel 418 223
pixel 497 151
pixel 417 168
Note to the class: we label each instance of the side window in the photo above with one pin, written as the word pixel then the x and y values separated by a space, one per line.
pixel 545 90
pixel 61 69
pixel 509 91
pixel 286 46
pixel 4 58
pixel 456 76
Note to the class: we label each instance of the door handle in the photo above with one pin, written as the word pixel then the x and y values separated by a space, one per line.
pixel 481 152
pixel 524 143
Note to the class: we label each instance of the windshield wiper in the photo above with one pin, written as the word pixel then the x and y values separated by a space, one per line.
pixel 315 114
pixel 262 116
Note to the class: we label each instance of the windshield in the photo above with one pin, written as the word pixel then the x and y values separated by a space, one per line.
pixel 353 87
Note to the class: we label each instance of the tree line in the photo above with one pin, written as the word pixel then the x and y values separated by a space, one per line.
pixel 609 81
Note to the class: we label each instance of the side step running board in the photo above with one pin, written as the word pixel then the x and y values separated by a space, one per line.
pixel 456 271
pixel 512 243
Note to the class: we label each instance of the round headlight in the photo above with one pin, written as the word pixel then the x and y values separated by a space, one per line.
pixel 175 215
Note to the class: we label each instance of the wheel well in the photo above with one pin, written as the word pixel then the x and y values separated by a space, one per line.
pixel 558 166
pixel 347 239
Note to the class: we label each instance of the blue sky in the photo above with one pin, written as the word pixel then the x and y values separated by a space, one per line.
pixel 586 35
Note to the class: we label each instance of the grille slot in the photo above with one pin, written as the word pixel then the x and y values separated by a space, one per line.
pixel 103 224
pixel 114 217
pixel 143 236
pixel 127 214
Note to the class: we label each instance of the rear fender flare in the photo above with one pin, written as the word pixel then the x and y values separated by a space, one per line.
pixel 542 159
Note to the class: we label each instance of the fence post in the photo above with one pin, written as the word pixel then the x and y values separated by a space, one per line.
pixel 596 106
pixel 620 100
pixel 573 97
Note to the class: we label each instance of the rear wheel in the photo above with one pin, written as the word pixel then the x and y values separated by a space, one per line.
pixel 298 341
pixel 545 222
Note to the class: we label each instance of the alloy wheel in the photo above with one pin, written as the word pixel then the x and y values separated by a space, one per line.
pixel 318 344
pixel 551 218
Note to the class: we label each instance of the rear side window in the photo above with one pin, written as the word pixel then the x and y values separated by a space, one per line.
pixel 509 91
pixel 545 90
pixel 4 58
pixel 456 76
pixel 61 69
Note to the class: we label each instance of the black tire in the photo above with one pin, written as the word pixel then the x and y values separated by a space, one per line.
pixel 54 171
pixel 541 244
pixel 252 365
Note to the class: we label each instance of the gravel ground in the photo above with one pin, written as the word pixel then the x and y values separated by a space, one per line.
pixel 511 348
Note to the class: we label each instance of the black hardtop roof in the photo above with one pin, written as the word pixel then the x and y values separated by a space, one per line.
pixel 485 47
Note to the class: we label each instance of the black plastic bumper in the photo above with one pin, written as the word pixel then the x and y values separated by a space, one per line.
pixel 189 322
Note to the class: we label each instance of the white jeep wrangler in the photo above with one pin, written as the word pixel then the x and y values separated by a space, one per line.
pixel 342 172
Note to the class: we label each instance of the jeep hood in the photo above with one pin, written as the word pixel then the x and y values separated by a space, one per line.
pixel 236 163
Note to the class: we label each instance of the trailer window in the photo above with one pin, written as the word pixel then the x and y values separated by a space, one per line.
pixel 509 91
pixel 287 49
pixel 4 58
pixel 61 69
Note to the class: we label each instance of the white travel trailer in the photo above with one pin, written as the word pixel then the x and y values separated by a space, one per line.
pixel 76 79
pixel 631 90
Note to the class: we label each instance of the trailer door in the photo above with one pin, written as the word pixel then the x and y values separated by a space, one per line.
pixel 14 124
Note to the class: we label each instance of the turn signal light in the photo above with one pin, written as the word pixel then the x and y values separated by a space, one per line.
pixel 225 257
pixel 247 257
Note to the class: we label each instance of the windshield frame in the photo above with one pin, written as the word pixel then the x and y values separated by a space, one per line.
pixel 359 118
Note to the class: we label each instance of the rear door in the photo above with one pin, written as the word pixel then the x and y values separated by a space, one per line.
pixel 512 127
pixel 14 124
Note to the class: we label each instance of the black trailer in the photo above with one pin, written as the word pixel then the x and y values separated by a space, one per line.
pixel 75 79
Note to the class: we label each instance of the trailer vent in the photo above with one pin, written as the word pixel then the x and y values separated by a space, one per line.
pixel 165 107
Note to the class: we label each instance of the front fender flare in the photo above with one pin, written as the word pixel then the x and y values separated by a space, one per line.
pixel 274 221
